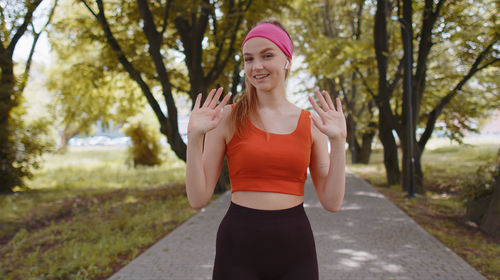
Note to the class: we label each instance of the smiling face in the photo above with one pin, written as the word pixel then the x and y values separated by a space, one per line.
pixel 264 64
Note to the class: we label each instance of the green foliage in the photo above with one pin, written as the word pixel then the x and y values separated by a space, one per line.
pixel 83 169
pixel 440 211
pixel 45 233
pixel 448 165
pixel 31 140
pixel 481 185
pixel 123 222
pixel 146 147
pixel 336 41
pixel 21 142
pixel 84 87
pixel 190 48
pixel 461 32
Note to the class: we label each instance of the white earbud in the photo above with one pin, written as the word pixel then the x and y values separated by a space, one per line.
pixel 286 65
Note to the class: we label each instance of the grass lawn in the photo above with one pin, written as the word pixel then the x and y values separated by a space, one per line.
pixel 446 168
pixel 88 213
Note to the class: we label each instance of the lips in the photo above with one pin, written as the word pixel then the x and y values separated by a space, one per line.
pixel 260 76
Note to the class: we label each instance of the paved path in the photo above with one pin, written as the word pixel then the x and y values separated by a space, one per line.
pixel 369 238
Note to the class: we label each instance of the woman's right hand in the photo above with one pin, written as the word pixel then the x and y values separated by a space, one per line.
pixel 207 117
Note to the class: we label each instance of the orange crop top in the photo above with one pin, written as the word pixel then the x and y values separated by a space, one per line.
pixel 277 163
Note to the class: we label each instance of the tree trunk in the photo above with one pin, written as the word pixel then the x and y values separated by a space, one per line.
pixel 366 148
pixel 10 176
pixel 8 173
pixel 67 134
pixel 63 145
pixel 359 153
pixel 491 220
pixel 386 123
pixel 390 152
pixel 351 139
pixel 417 171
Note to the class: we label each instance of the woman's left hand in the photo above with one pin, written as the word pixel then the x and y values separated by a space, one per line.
pixel 331 121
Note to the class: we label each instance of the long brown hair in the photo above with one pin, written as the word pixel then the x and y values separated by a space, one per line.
pixel 247 104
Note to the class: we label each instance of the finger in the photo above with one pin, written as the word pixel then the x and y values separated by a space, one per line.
pixel 316 121
pixel 197 101
pixel 316 106
pixel 209 98
pixel 339 105
pixel 328 100
pixel 223 102
pixel 216 97
pixel 322 101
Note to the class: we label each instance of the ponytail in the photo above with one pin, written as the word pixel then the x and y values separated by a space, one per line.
pixel 244 108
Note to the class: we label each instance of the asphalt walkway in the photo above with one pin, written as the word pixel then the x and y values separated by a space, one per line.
pixel 369 238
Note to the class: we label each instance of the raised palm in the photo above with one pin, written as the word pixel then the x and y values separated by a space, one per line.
pixel 331 120
pixel 206 117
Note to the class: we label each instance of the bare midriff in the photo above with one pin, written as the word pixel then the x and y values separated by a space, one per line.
pixel 266 200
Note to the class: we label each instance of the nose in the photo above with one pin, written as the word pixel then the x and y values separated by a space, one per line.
pixel 257 64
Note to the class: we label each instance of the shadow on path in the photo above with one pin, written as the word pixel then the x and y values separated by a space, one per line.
pixel 369 238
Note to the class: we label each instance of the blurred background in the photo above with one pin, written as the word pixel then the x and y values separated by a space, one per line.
pixel 95 98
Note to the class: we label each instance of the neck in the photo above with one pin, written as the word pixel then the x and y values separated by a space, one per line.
pixel 274 100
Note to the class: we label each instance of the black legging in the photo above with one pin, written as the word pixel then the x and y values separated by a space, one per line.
pixel 265 244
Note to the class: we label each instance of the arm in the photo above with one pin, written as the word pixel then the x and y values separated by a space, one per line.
pixel 206 148
pixel 328 170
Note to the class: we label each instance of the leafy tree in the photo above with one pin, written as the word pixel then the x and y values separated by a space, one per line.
pixel 85 92
pixel 466 33
pixel 148 41
pixel 337 45
pixel 19 145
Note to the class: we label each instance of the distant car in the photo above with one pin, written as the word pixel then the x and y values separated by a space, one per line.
pixel 99 141
pixel 120 141
pixel 76 141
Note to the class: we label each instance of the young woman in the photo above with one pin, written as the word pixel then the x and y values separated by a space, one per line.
pixel 269 143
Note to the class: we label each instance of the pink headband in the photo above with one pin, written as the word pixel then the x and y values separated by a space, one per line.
pixel 274 34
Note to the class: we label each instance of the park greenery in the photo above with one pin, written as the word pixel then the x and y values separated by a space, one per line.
pixel 140 64
pixel 129 209
pixel 451 172
pixel 157 53
pixel 89 213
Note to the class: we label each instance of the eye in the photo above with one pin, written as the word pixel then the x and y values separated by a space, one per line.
pixel 268 55
pixel 247 59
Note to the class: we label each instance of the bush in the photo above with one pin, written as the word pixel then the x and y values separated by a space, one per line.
pixel 477 193
pixel 481 185
pixel 26 142
pixel 146 148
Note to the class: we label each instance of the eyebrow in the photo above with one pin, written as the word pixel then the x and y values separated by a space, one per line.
pixel 262 51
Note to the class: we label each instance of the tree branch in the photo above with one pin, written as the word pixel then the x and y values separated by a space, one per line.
pixel 488 64
pixel 90 9
pixel 36 36
pixel 429 18
pixel 165 19
pixel 397 76
pixel 436 112
pixel 20 31
pixel 154 39
pixel 366 84
pixel 133 73
pixel 219 67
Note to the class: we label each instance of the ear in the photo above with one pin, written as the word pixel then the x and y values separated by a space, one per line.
pixel 286 64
